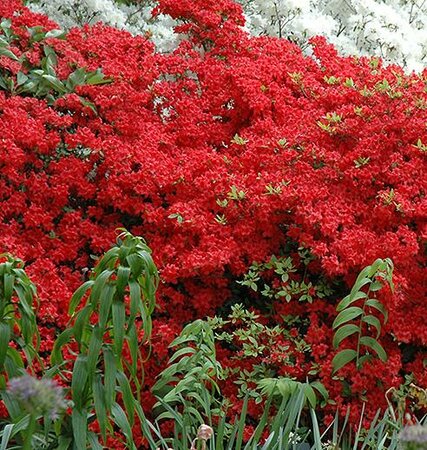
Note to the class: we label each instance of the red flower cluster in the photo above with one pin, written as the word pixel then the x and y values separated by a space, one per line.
pixel 218 154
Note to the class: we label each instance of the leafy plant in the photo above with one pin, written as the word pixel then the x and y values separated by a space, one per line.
pixel 125 279
pixel 191 377
pixel 18 325
pixel 41 80
pixel 370 280
pixel 286 387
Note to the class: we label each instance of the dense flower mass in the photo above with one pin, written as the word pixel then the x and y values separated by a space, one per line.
pixel 229 150
pixel 392 29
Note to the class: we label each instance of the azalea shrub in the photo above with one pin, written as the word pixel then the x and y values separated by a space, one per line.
pixel 372 27
pixel 258 176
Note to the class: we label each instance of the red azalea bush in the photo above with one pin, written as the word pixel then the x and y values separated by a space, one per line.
pixel 220 154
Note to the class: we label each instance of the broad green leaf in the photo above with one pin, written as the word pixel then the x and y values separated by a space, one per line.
pixel 76 78
pixel 320 387
pixel 98 286
pixel 7 432
pixel 107 296
pixel 123 274
pixel 94 349
pixel 343 358
pixel 346 301
pixel 61 340
pixel 94 441
pixel 81 322
pixel 78 295
pixel 361 281
pixel 374 303
pixel 135 299
pixel 97 77
pixel 372 343
pixel 80 427
pixel 5 336
pixel 310 395
pixel 119 319
pixel 100 407
pixel 373 321
pixel 8 53
pixel 122 422
pixel 348 314
pixel 58 34
pixel 127 395
pixel 344 332
pixel 9 282
pixel 79 381
pixel 55 83
pixel 110 371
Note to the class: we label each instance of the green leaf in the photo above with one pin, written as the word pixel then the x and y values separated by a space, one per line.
pixel 372 343
pixel 122 422
pixel 80 324
pixel 97 77
pixel 128 398
pixel 310 395
pixel 6 432
pixel 55 83
pixel 61 340
pixel 373 303
pixel 5 335
pixel 373 321
pixel 360 282
pixel 346 301
pixel 77 78
pixel 8 53
pixel 119 319
pixel 343 358
pixel 78 295
pixel 110 371
pixel 78 382
pixel 94 349
pixel 107 295
pixel 9 282
pixel 100 281
pixel 320 387
pixel 58 34
pixel 345 316
pixel 80 426
pixel 100 408
pixel 344 332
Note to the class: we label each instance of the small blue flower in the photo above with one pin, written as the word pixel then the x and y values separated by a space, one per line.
pixel 38 396
pixel 413 437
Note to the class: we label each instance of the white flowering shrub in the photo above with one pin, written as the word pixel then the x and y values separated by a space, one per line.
pixel 133 17
pixel 395 30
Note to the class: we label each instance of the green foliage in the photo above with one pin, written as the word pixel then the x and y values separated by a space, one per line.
pixel 370 280
pixel 41 80
pixel 292 279
pixel 255 341
pixel 18 325
pixel 284 428
pixel 125 277
pixel 190 380
pixel 286 387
